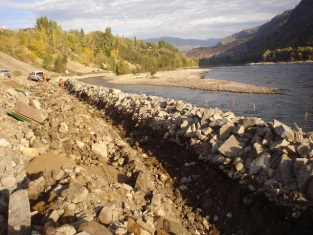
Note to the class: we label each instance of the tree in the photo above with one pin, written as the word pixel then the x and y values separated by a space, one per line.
pixel 87 56
pixel 266 55
pixel 60 64
pixel 122 68
pixel 38 43
pixel 47 62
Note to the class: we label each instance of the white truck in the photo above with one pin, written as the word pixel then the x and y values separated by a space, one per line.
pixel 5 72
pixel 38 76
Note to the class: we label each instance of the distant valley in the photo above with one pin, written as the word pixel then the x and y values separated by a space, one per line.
pixel 186 44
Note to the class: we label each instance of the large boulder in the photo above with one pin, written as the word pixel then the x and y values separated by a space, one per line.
pixel 19 221
pixel 231 147
pixel 262 162
pixel 283 131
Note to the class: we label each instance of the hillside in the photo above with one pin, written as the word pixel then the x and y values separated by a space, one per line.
pixel 49 47
pixel 186 44
pixel 293 28
pixel 23 68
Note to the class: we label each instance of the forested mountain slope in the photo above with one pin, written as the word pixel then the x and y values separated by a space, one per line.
pixel 291 29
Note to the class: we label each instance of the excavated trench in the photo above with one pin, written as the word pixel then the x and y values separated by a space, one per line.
pixel 229 207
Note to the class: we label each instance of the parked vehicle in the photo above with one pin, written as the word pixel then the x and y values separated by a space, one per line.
pixel 5 72
pixel 38 76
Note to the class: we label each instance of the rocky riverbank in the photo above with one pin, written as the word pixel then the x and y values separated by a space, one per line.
pixel 132 164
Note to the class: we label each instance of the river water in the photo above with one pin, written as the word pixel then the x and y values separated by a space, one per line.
pixel 292 105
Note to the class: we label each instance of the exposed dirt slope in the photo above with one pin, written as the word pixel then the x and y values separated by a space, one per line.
pixel 12 64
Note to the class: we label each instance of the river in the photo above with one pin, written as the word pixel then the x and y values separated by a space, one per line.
pixel 294 104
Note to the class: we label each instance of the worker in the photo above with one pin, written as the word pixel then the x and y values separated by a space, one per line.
pixel 45 77
pixel 61 82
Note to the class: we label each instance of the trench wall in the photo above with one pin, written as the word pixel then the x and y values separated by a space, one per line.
pixel 269 158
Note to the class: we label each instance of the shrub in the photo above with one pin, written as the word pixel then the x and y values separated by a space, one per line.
pixel 122 68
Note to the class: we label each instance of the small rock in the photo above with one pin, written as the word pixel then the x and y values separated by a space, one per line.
pixel 63 128
pixel 30 152
pixel 156 200
pixel 133 227
pixel 185 180
pixel 105 216
pixel 143 182
pixel 29 135
pixel 120 231
pixel 57 174
pixel 66 229
pixel 4 143
pixel 239 166
pixel 80 144
pixel 8 181
pixel 163 177
pixel 100 149
pixel 75 193
pixel 93 228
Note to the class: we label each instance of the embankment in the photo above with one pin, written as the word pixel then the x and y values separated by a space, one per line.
pixel 268 158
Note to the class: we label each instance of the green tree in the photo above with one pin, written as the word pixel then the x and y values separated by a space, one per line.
pixel 47 62
pixel 60 64
pixel 122 68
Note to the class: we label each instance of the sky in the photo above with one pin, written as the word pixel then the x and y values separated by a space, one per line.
pixel 188 19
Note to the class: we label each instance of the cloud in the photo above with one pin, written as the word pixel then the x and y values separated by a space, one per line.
pixel 149 18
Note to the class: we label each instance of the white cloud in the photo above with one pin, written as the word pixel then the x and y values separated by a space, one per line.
pixel 152 18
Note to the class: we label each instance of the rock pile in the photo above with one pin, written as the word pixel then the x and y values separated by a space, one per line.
pixel 269 158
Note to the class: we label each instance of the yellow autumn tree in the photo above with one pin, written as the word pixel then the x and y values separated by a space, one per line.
pixel 87 56
pixel 38 43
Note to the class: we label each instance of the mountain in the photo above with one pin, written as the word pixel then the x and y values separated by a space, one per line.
pixel 186 44
pixel 293 28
